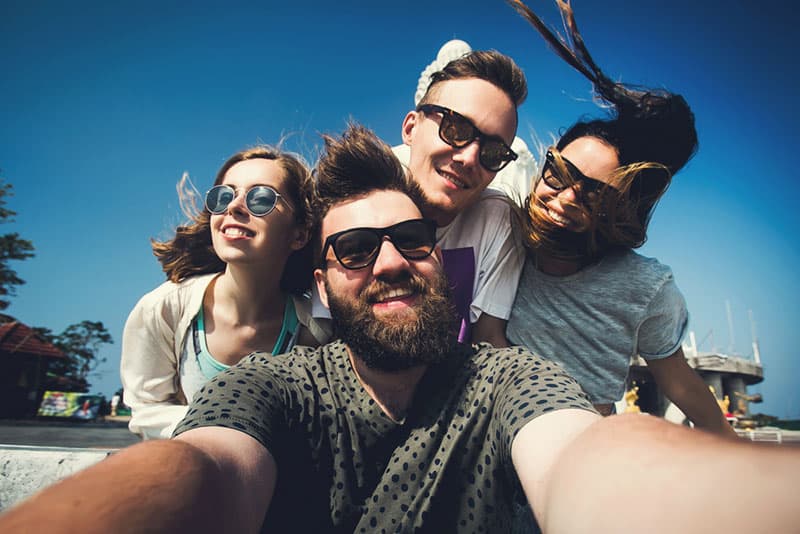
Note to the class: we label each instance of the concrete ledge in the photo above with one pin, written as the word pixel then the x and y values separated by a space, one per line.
pixel 24 470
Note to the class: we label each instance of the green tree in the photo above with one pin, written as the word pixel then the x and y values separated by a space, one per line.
pixel 80 343
pixel 12 247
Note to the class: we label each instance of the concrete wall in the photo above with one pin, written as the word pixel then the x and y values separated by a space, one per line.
pixel 24 470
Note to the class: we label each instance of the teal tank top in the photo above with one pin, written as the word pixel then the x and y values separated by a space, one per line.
pixel 209 365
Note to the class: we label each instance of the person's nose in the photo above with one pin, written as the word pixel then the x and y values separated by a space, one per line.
pixel 389 260
pixel 238 204
pixel 469 155
pixel 570 194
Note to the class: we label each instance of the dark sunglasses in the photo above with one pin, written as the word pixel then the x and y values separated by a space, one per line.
pixel 259 199
pixel 554 180
pixel 357 248
pixel 458 131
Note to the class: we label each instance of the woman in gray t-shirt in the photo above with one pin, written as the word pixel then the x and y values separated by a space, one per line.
pixel 586 299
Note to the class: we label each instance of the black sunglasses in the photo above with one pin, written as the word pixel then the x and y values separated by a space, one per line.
pixel 259 199
pixel 458 131
pixel 554 180
pixel 357 248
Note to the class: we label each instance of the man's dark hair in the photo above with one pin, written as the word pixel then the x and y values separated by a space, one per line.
pixel 489 65
pixel 353 165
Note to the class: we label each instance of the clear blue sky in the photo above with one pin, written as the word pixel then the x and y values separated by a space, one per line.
pixel 104 104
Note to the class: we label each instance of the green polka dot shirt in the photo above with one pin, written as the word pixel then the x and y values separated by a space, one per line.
pixel 345 466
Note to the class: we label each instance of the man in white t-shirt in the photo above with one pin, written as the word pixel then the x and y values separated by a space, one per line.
pixel 458 138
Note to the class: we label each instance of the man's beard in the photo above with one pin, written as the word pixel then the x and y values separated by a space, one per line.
pixel 424 335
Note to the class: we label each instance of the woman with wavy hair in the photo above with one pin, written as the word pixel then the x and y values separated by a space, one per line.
pixel 586 299
pixel 236 282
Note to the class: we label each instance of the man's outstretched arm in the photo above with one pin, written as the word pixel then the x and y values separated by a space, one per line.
pixel 206 480
pixel 605 475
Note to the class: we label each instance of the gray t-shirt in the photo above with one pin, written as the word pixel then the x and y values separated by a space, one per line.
pixel 344 466
pixel 594 321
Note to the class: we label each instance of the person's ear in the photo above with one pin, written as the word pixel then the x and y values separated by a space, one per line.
pixel 300 238
pixel 437 251
pixel 409 126
pixel 319 279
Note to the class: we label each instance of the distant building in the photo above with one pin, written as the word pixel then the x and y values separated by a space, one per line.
pixel 25 359
pixel 728 375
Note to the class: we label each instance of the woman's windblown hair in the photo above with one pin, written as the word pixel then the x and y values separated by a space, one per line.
pixel 652 131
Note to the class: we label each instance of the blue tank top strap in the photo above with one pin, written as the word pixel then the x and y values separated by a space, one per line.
pixel 289 329
pixel 209 366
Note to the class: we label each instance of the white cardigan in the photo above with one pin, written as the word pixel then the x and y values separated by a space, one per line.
pixel 152 342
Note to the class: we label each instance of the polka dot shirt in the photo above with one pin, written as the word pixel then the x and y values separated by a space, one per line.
pixel 345 466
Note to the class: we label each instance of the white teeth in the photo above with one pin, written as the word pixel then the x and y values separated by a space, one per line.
pixel 233 231
pixel 558 218
pixel 454 180
pixel 393 293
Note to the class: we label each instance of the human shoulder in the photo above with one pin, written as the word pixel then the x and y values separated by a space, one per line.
pixel 172 293
pixel 633 261
pixel 487 220
pixel 301 360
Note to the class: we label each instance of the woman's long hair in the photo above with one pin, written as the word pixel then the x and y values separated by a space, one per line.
pixel 191 253
pixel 651 130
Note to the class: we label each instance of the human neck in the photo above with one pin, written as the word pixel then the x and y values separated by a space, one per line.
pixel 246 296
pixel 392 391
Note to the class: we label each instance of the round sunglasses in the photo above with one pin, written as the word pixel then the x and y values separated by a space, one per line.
pixel 458 131
pixel 259 199
pixel 357 248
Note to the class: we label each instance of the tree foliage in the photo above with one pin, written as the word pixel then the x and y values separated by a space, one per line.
pixel 81 344
pixel 12 247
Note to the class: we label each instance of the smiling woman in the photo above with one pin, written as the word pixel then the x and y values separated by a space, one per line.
pixel 585 298
pixel 237 277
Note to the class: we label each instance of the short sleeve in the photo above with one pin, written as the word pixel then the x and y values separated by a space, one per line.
pixel 529 386
pixel 500 260
pixel 248 397
pixel 665 323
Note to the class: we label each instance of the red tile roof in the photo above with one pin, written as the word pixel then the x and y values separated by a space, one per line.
pixel 20 339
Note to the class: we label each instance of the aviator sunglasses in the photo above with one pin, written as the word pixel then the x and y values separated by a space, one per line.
pixel 458 131
pixel 554 180
pixel 357 248
pixel 259 199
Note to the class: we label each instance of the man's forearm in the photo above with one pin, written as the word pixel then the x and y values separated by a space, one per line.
pixel 156 486
pixel 637 470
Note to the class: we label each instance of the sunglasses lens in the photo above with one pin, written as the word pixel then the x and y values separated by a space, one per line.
pixel 456 131
pixel 356 248
pixel 552 179
pixel 494 155
pixel 218 198
pixel 261 200
pixel 414 239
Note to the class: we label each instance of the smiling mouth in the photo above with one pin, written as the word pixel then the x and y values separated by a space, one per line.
pixel 233 231
pixel 392 294
pixel 560 219
pixel 453 180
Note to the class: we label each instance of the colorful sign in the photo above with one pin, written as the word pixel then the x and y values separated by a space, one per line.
pixel 69 404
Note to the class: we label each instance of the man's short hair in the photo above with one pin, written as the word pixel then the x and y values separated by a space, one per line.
pixel 490 65
pixel 353 165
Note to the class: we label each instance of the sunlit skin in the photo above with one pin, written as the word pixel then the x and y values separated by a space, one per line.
pixel 452 179
pixel 244 306
pixel 594 158
pixel 242 238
